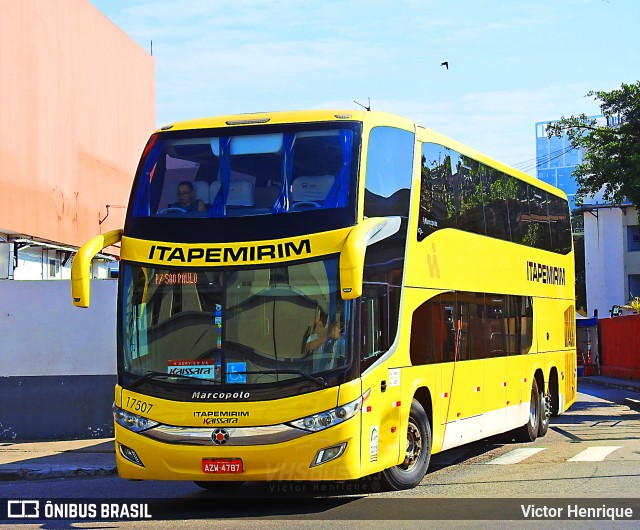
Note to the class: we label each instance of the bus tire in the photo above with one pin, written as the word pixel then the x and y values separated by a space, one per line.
pixel 217 486
pixel 529 431
pixel 554 393
pixel 418 452
pixel 545 412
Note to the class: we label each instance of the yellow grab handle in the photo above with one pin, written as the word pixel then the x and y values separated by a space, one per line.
pixel 81 266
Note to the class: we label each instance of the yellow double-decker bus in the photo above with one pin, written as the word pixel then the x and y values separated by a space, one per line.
pixel 327 295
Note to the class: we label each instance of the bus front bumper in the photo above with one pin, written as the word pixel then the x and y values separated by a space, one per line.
pixel 141 457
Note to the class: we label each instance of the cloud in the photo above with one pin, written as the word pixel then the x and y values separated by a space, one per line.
pixel 500 124
pixel 509 68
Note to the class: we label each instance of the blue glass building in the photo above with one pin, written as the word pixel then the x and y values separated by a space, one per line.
pixel 556 159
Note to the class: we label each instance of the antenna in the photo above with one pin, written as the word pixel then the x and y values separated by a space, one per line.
pixel 367 107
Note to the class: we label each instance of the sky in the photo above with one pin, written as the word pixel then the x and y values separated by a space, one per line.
pixel 511 63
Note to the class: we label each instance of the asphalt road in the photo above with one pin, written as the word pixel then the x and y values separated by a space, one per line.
pixel 590 455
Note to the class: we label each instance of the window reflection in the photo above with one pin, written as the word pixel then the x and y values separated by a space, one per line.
pixel 261 324
pixel 464 326
pixel 459 192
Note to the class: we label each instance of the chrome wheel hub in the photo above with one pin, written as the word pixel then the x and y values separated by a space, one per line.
pixel 414 447
pixel 546 407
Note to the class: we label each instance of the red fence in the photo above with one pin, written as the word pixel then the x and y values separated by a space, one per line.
pixel 620 347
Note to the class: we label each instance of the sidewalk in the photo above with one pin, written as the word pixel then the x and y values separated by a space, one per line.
pixel 48 460
pixel 95 457
pixel 630 388
pixel 612 382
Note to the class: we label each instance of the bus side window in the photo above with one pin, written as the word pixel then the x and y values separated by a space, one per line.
pixel 425 335
pixel 496 193
pixel 389 170
pixel 519 211
pixel 437 201
pixel 560 225
pixel 435 330
pixel 478 343
pixel 526 324
pixel 467 185
pixel 539 235
pixel 374 322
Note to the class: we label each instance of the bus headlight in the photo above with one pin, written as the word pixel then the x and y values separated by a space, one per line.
pixel 131 421
pixel 328 418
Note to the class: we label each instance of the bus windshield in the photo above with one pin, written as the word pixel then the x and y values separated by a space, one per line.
pixel 249 326
pixel 213 173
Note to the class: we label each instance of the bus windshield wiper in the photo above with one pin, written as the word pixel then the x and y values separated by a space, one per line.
pixel 151 374
pixel 318 380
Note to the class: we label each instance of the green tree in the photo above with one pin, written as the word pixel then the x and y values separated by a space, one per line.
pixel 611 160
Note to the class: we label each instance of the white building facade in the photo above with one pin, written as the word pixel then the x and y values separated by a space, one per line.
pixel 23 258
pixel 612 256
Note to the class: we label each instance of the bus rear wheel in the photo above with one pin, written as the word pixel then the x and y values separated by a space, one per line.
pixel 529 431
pixel 545 412
pixel 417 455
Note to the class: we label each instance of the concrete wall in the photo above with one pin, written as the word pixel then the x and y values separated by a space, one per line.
pixel 77 101
pixel 620 346
pixel 58 361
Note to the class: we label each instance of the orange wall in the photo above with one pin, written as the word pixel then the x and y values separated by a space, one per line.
pixel 77 103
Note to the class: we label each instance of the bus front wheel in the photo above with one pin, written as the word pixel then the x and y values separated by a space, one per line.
pixel 418 452
pixel 529 431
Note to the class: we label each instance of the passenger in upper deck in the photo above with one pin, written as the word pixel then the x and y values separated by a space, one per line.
pixel 186 199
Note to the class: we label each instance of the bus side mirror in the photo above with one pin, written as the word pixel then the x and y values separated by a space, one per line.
pixel 370 231
pixel 81 266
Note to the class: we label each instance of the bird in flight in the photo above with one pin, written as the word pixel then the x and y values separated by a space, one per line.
pixel 446 63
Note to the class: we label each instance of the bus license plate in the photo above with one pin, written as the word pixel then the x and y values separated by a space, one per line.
pixel 222 465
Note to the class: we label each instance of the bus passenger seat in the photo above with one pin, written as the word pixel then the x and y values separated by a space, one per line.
pixel 201 191
pixel 213 189
pixel 241 192
pixel 310 190
pixel 266 196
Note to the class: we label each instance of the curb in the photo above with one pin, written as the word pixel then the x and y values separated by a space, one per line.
pixel 632 403
pixel 621 385
pixel 12 473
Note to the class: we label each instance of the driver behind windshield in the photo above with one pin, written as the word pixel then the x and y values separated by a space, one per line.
pixel 186 199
